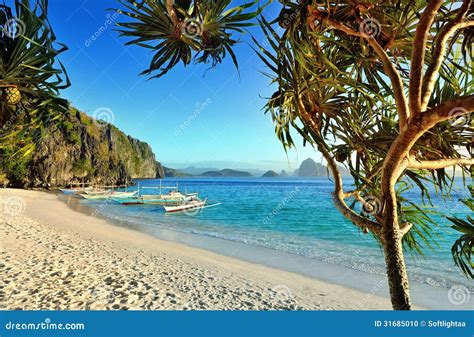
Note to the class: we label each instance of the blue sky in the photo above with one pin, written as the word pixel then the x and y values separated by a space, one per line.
pixel 190 116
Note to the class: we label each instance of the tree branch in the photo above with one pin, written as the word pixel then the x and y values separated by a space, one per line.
pixel 338 194
pixel 418 55
pixel 438 164
pixel 440 49
pixel 172 13
pixel 396 160
pixel 447 110
pixel 389 67
pixel 405 228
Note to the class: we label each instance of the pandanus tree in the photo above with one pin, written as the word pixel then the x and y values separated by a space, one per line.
pixel 383 87
pixel 30 75
pixel 184 31
pixel 463 248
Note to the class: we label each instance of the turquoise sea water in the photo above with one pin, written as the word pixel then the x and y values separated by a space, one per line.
pixel 293 216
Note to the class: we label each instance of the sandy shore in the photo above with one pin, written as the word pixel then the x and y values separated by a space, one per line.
pixel 52 257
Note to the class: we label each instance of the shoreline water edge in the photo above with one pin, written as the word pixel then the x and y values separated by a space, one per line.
pixel 61 254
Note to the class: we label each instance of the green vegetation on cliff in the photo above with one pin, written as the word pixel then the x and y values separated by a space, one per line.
pixel 81 149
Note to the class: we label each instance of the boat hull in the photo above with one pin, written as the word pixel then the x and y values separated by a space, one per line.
pixel 151 200
pixel 141 201
pixel 114 195
pixel 70 191
pixel 185 207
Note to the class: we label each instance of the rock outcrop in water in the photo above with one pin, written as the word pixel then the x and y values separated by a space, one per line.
pixel 82 150
pixel 309 168
pixel 270 174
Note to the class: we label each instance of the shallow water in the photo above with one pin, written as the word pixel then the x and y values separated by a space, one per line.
pixel 292 216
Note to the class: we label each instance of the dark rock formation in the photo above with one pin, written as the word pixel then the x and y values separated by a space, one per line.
pixel 270 174
pixel 83 149
pixel 309 168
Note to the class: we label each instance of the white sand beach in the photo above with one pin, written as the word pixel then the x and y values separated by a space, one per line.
pixel 52 257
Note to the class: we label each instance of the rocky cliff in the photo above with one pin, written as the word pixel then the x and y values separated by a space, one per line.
pixel 309 168
pixel 83 149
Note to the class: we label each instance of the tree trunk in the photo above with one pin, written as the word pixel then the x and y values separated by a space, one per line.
pixel 394 165
pixel 396 269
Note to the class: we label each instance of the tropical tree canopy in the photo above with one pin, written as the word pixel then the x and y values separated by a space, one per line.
pixel 185 30
pixel 30 75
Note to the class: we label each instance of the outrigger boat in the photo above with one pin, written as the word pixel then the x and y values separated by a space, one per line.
pixel 171 198
pixel 70 191
pixel 195 203
pixel 107 195
pixel 106 192
pixel 154 199
pixel 76 190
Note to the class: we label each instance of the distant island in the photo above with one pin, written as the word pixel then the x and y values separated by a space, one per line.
pixel 195 171
pixel 309 168
pixel 226 173
pixel 270 174
pixel 173 173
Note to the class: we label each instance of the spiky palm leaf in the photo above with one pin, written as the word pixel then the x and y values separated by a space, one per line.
pixel 463 248
pixel 184 30
pixel 29 62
